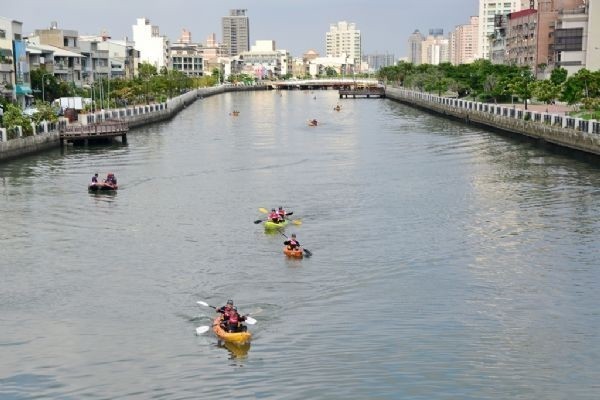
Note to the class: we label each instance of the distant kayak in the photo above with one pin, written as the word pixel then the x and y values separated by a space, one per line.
pixel 101 186
pixel 296 253
pixel 236 337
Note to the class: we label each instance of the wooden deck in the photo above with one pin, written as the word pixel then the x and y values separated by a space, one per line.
pixel 103 130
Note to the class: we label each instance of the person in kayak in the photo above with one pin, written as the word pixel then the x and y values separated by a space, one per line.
pixel 234 322
pixel 292 243
pixel 226 309
pixel 95 178
pixel 274 216
pixel 110 178
pixel 281 213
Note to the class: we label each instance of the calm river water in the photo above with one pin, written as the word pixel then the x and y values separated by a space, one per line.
pixel 448 262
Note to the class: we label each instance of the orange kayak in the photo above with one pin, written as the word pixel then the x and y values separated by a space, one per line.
pixel 236 337
pixel 297 253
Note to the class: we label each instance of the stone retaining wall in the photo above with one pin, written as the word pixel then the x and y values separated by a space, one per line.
pixel 572 133
pixel 28 145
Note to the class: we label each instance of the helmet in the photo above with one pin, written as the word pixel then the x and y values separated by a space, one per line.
pixel 281 208
pixel 230 302
pixel 293 235
pixel 272 209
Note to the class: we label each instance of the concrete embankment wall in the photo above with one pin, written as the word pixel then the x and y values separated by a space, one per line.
pixel 28 145
pixel 566 132
pixel 134 116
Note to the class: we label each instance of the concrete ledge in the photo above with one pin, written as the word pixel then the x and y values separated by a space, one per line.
pixel 28 145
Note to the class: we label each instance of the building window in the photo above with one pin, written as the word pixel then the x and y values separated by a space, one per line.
pixel 568 39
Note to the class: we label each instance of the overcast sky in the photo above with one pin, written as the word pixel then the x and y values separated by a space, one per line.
pixel 295 25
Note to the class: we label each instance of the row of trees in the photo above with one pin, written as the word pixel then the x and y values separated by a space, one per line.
pixel 484 81
pixel 150 85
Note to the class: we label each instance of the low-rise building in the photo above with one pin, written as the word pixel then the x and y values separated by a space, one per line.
pixel 265 61
pixel 186 56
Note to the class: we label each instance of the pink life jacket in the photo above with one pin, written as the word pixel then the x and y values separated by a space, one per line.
pixel 234 318
pixel 274 216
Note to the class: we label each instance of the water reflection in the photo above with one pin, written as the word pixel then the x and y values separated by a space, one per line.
pixel 236 350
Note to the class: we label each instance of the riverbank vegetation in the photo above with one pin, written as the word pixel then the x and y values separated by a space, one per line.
pixel 487 82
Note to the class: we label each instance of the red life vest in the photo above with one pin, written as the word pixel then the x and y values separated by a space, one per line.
pixel 274 216
pixel 282 213
pixel 293 243
pixel 233 318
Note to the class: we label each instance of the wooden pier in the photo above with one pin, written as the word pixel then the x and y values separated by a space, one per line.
pixel 103 130
pixel 368 92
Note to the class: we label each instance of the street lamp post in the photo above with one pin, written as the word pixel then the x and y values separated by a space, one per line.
pixel 43 92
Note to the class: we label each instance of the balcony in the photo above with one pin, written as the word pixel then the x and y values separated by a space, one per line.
pixel 6 67
pixel 60 68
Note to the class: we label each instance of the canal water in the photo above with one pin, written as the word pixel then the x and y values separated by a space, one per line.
pixel 448 262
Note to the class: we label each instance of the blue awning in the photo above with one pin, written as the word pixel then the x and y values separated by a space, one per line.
pixel 23 89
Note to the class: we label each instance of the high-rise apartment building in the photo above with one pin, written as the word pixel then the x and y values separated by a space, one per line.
pixel 488 9
pixel 415 42
pixel 377 61
pixel 344 40
pixel 435 49
pixel 236 32
pixel 463 42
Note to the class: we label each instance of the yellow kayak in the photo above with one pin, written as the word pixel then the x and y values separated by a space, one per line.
pixel 237 337
pixel 270 225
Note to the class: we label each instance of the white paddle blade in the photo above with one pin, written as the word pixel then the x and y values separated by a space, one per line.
pixel 250 320
pixel 202 329
pixel 202 303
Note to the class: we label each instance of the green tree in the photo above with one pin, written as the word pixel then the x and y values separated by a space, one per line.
pixel 545 91
pixel 521 85
pixel 146 70
pixel 45 112
pixel 13 116
pixel 330 72
pixel 558 76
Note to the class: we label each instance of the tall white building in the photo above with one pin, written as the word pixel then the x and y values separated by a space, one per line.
pixel 487 10
pixel 592 61
pixel 153 48
pixel 344 40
